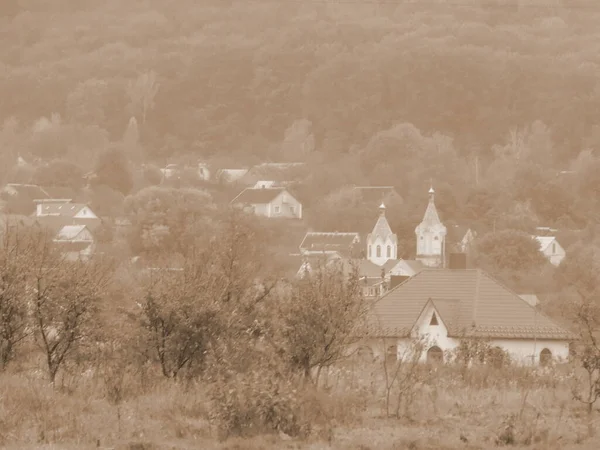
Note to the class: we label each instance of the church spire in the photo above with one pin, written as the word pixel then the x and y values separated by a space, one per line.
pixel 382 243
pixel 431 234
pixel 382 210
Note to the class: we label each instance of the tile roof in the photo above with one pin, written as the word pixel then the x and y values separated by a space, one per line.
pixel 365 267
pixel 322 241
pixel 30 191
pixel 259 196
pixel 430 218
pixel 66 209
pixel 70 232
pixel 468 301
pixel 382 228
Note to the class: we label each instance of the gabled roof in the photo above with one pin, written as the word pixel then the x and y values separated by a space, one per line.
pixel 66 209
pixel 413 264
pixel 365 267
pixel 29 191
pixel 470 303
pixel 430 218
pixel 545 241
pixel 456 233
pixel 259 196
pixel 382 228
pixel 70 232
pixel 322 241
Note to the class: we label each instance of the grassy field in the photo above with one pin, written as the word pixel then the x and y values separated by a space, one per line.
pixel 444 408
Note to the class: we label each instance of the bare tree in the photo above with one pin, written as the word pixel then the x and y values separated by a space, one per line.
pixel 142 92
pixel 15 255
pixel 587 390
pixel 65 297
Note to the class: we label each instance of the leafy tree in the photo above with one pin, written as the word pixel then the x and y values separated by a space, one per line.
pixel 168 219
pixel 65 295
pixel 59 173
pixel 86 103
pixel 509 250
pixel 320 318
pixel 113 170
pixel 141 94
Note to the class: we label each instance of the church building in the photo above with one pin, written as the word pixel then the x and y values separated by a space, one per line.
pixel 431 236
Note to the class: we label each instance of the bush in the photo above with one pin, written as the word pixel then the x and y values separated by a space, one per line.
pixel 254 403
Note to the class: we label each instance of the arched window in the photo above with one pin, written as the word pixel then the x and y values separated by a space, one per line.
pixel 389 251
pixel 545 357
pixel 369 251
pixel 436 238
pixel 435 355
pixel 379 251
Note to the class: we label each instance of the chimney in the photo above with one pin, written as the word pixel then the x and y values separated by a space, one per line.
pixel 457 261
pixel 395 280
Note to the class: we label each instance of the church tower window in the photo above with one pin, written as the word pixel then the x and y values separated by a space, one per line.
pixel 369 251
pixel 379 251
pixel 389 251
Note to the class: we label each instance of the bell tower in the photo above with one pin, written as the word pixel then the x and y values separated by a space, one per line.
pixel 382 244
pixel 431 236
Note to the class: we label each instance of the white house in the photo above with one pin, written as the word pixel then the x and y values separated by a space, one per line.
pixel 443 306
pixel 431 236
pixel 269 202
pixel 76 242
pixel 551 249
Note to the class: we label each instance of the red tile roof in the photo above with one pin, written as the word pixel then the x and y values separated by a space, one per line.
pixel 468 302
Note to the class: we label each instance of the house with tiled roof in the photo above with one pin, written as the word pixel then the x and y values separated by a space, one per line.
pixel 57 213
pixel 441 307
pixel 269 202
pixel 345 244
pixel 551 249
pixel 76 242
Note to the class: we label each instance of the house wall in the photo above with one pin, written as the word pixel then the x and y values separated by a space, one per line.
pixel 288 206
pixel 521 351
pixel 84 235
pixel 557 256
pixel 381 260
pixel 85 213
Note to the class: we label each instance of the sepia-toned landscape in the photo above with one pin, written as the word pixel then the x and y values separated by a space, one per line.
pixel 300 224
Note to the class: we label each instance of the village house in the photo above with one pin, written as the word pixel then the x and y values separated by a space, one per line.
pixel 76 242
pixel 441 307
pixel 269 202
pixel 551 249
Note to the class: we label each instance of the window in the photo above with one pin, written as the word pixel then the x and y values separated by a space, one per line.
pixel 379 251
pixel 389 251
pixel 369 251
pixel 277 210
pixel 435 355
pixel 433 320
pixel 545 357
pixel 436 238
pixel 554 248
pixel 292 210
pixel 392 353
